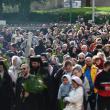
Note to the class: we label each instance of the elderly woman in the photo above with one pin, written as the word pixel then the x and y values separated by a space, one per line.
pixel 14 70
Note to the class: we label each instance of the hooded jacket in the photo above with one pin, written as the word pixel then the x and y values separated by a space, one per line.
pixel 75 99
pixel 64 89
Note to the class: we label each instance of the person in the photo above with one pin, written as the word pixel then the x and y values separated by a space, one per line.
pixel 64 48
pixel 84 49
pixel 46 95
pixel 102 56
pixel 44 57
pixel 96 42
pixel 97 49
pixel 64 87
pixel 35 64
pixel 73 52
pixel 75 99
pixel 39 48
pixel 14 69
pixel 106 50
pixel 59 53
pixel 44 29
pixel 102 84
pixel 25 100
pixel 31 53
pixel 66 69
pixel 98 62
pixel 54 92
pixel 6 88
pixel 17 37
pixel 81 59
pixel 77 71
pixel 39 68
pixel 90 71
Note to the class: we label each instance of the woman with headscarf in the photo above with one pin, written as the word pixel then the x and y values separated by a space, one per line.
pixel 14 70
pixel 75 98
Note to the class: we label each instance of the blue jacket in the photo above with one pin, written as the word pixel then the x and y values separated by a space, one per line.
pixel 64 89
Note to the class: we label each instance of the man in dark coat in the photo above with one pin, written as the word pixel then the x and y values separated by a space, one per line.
pixel 25 100
pixel 37 67
pixel 6 88
pixel 102 84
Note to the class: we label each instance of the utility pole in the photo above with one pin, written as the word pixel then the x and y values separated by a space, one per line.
pixel 70 11
pixel 93 10
pixel 28 46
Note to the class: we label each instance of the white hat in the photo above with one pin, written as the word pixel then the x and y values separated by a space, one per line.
pixel 76 79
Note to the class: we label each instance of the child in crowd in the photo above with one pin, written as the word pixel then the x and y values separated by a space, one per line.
pixel 64 89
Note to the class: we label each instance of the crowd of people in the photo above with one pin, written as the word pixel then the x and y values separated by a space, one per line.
pixel 72 60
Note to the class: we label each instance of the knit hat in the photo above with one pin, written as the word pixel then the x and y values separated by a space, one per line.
pixel 77 80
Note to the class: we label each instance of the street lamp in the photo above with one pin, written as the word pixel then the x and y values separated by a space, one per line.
pixel 93 10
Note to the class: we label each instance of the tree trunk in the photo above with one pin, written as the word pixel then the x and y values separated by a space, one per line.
pixel 1 7
pixel 24 8
pixel 51 3
pixel 88 2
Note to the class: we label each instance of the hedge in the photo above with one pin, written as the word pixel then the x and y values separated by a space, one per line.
pixel 56 15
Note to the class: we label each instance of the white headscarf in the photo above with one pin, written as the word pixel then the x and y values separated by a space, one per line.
pixel 18 61
pixel 14 70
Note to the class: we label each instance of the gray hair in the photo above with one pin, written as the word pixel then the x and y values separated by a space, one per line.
pixel 77 67
pixel 81 54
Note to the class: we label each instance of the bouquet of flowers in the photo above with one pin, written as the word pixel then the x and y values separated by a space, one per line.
pixel 34 84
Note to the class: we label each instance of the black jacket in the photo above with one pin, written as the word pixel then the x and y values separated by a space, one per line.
pixel 103 80
pixel 6 93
